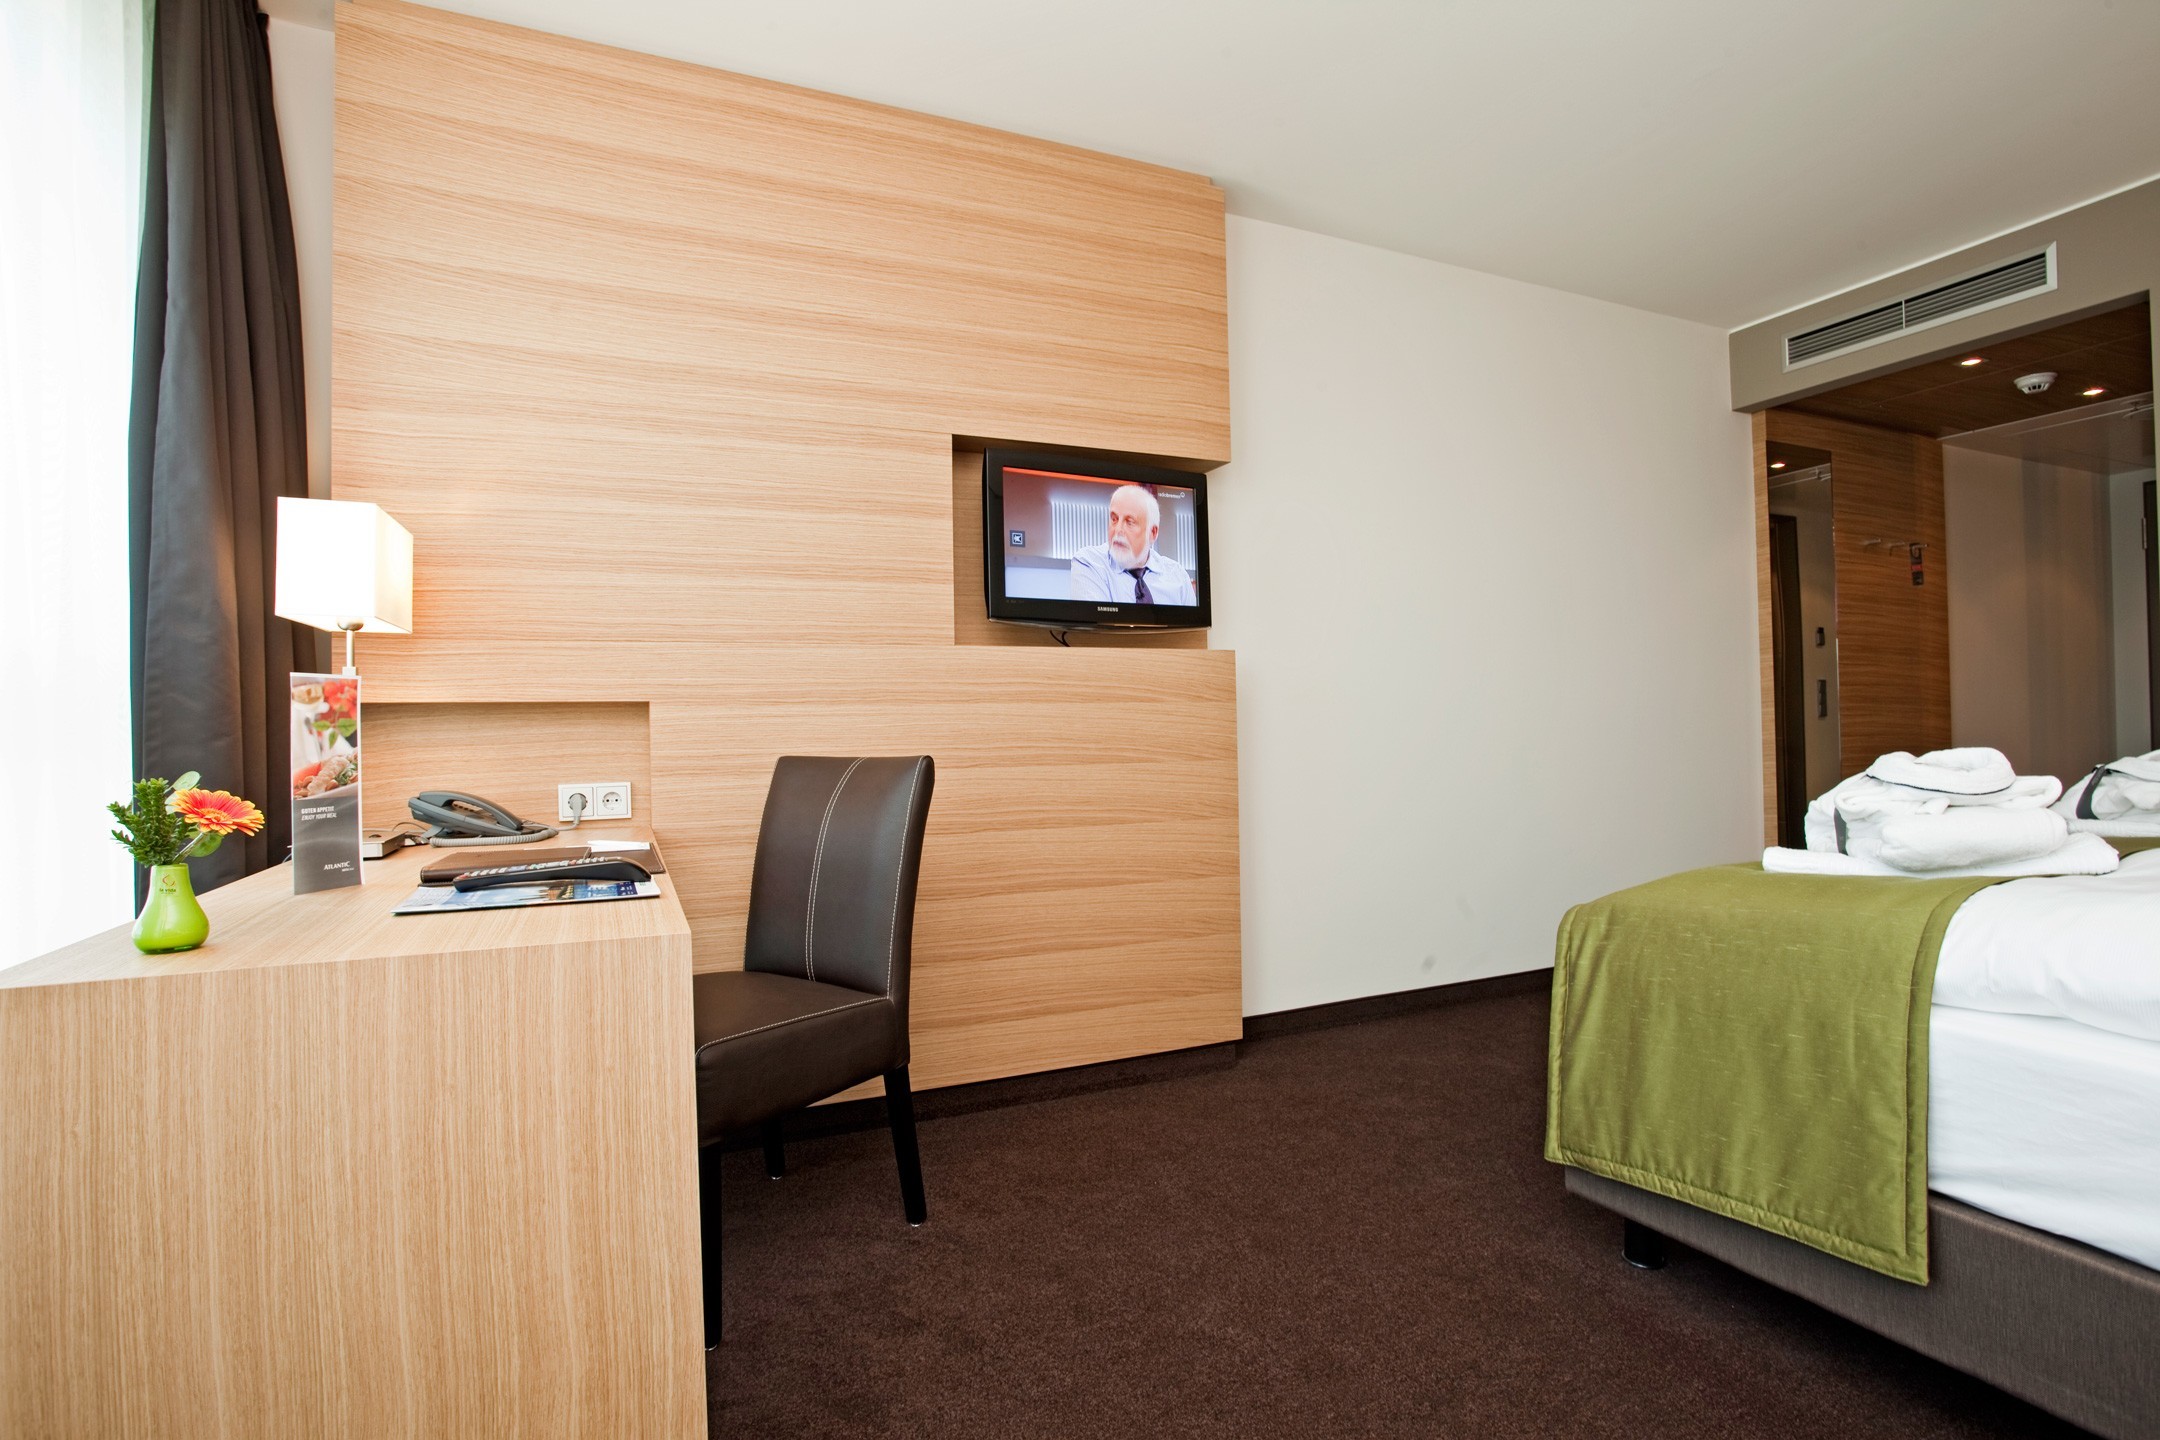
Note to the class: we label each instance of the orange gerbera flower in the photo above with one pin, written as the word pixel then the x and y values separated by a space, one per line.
pixel 217 812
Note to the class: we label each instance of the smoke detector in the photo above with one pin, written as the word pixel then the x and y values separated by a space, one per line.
pixel 2037 382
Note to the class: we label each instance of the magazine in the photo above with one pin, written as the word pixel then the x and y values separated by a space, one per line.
pixel 435 899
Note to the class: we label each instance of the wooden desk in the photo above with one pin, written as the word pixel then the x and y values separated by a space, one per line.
pixel 344 1173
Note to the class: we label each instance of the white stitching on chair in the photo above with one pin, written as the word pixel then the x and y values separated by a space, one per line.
pixel 813 1015
pixel 892 940
pixel 817 862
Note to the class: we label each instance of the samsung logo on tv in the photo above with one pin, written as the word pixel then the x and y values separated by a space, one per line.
pixel 1107 609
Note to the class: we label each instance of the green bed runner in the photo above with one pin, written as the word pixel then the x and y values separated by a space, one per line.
pixel 1757 1045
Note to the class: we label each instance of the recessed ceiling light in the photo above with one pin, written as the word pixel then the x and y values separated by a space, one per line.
pixel 1777 464
pixel 2092 390
pixel 1971 360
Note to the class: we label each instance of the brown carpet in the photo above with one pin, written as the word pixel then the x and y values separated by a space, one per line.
pixel 1349 1232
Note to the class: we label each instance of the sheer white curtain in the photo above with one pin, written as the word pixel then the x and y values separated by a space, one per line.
pixel 73 90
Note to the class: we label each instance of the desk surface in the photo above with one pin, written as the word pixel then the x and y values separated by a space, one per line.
pixel 259 923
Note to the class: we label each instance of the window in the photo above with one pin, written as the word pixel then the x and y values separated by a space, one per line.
pixel 73 75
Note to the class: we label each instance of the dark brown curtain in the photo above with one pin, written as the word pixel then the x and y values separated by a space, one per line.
pixel 219 425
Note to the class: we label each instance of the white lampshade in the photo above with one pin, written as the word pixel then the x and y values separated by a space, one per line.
pixel 343 565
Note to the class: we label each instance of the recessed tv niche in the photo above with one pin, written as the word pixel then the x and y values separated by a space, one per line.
pixel 1082 544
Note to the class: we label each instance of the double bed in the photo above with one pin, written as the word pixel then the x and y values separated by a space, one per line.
pixel 2039 1262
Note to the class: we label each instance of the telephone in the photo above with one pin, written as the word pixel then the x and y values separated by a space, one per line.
pixel 456 819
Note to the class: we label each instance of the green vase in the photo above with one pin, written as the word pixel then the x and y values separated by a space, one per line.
pixel 172 918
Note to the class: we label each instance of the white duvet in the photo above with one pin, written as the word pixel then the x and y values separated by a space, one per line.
pixel 2070 947
pixel 2044 1057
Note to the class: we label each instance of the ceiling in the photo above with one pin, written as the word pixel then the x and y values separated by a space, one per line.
pixel 2110 438
pixel 2111 352
pixel 1699 158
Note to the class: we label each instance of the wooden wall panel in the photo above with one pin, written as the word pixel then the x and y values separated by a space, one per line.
pixel 1079 897
pixel 664 369
pixel 1073 864
pixel 824 251
pixel 1893 636
pixel 512 754
pixel 671 519
pixel 610 328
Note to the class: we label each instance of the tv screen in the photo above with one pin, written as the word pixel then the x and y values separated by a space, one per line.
pixel 1086 544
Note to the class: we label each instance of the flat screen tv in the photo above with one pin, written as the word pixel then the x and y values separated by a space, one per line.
pixel 1079 544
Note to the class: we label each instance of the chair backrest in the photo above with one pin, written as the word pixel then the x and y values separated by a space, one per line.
pixel 832 895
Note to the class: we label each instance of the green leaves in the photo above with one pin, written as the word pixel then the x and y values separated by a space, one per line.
pixel 149 830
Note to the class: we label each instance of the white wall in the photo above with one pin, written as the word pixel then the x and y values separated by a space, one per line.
pixel 2046 596
pixel 1486 553
pixel 2072 619
pixel 1990 640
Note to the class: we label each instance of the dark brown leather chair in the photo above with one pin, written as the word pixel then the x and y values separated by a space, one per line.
pixel 821 1002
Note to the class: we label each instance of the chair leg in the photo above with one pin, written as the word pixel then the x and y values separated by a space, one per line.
pixel 900 1114
pixel 775 1148
pixel 709 1236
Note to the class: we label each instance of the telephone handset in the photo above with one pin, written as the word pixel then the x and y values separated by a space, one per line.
pixel 457 819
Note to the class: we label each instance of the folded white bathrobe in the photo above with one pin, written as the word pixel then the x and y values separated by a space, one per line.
pixel 2079 855
pixel 2134 826
pixel 1969 835
pixel 1972 770
pixel 2123 796
pixel 1853 817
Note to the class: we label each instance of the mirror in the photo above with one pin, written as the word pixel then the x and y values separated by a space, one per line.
pixel 1803 618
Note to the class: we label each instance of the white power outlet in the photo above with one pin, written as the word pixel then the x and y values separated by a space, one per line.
pixel 564 810
pixel 610 801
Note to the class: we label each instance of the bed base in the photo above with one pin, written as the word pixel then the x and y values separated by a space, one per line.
pixel 2074 1330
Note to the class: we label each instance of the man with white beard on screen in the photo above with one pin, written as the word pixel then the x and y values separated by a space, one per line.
pixel 1127 569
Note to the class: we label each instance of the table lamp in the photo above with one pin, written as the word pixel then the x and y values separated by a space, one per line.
pixel 343 565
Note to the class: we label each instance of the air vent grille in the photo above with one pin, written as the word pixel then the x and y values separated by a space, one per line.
pixel 2004 282
pixel 1877 324
pixel 2014 280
